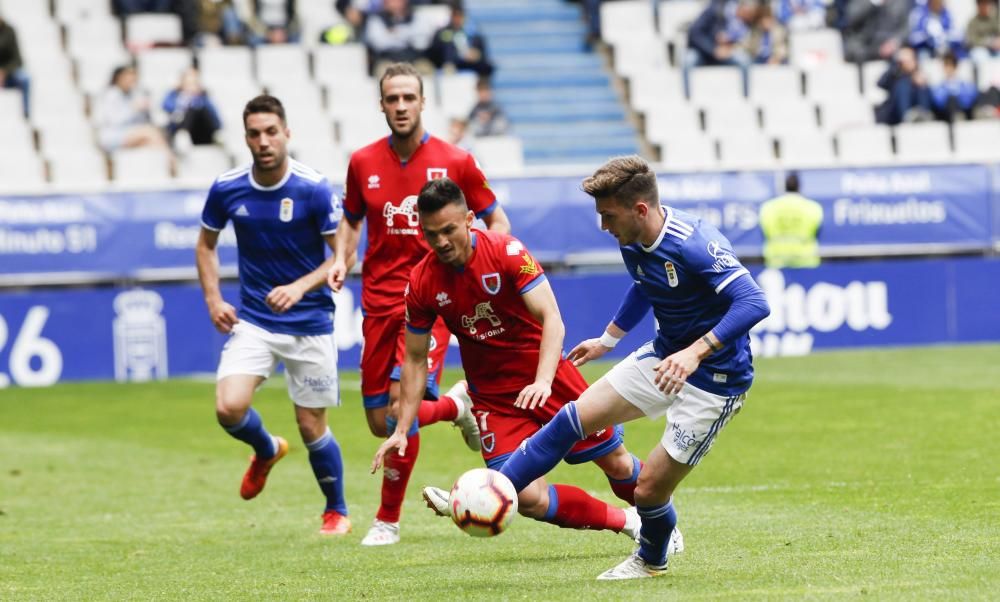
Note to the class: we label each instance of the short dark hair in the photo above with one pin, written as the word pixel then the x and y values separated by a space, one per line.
pixel 628 179
pixel 400 69
pixel 117 73
pixel 792 182
pixel 265 103
pixel 438 194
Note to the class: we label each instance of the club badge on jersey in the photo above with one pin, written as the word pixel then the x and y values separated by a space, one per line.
pixel 671 273
pixel 491 283
pixel 287 209
pixel 436 173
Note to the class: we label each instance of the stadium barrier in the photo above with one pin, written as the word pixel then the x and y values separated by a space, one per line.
pixel 147 236
pixel 50 334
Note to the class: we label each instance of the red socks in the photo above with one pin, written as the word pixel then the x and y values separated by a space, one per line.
pixel 574 508
pixel 437 411
pixel 395 476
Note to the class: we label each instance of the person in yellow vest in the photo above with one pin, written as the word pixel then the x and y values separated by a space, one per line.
pixel 791 223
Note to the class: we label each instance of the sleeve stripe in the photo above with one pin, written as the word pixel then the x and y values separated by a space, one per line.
pixel 353 217
pixel 493 206
pixel 212 228
pixel 328 232
pixel 731 277
pixel 416 330
pixel 527 287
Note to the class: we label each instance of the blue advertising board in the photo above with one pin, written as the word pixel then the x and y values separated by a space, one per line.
pixel 50 335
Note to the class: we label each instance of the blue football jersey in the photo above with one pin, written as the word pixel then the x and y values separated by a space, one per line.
pixel 280 233
pixel 681 274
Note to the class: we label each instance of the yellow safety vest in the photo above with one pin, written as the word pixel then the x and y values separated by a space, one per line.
pixel 790 223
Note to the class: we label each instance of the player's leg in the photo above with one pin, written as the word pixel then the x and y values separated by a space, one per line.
pixel 313 386
pixel 246 362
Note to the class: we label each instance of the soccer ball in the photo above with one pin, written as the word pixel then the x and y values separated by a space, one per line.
pixel 483 502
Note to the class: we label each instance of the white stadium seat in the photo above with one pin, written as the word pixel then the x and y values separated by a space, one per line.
pixel 143 30
pixel 769 83
pixel 817 48
pixel 748 151
pixel 141 166
pixel 865 145
pixel 976 141
pixel 694 153
pixel 710 84
pixel 789 116
pixel 923 142
pixel 833 82
pixel 627 19
pixel 731 115
pixel 499 154
pixel 806 149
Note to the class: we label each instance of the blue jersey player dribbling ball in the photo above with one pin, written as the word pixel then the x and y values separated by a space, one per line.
pixel 696 371
pixel 284 215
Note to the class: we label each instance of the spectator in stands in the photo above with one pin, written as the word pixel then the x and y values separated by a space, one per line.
pixel 982 34
pixel 271 22
pixel 932 32
pixel 800 15
pixel 791 224
pixel 767 42
pixel 186 10
pixel 218 22
pixel 909 98
pixel 953 97
pixel 122 114
pixel 714 37
pixel 194 118
pixel 875 29
pixel 12 73
pixel 356 12
pixel 486 117
pixel 459 46
pixel 394 35
pixel 988 104
pixel 458 133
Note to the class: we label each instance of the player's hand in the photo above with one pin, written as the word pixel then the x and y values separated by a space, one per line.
pixel 223 316
pixel 591 349
pixel 673 372
pixel 335 277
pixel 283 298
pixel 534 395
pixel 396 441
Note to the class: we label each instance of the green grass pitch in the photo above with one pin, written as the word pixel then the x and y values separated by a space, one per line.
pixel 869 474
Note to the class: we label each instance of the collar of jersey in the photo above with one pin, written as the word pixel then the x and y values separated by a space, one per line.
pixel 667 214
pixel 284 179
pixel 423 140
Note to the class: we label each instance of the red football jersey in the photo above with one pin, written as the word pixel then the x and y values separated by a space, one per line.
pixel 385 189
pixel 482 305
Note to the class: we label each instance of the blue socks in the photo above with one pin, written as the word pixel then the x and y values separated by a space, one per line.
pixel 540 453
pixel 658 523
pixel 328 466
pixel 251 431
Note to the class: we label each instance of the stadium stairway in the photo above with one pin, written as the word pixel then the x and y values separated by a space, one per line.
pixel 557 94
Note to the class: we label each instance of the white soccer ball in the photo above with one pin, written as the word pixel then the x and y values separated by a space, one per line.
pixel 483 502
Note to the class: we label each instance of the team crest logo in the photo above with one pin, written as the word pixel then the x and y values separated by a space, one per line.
pixel 491 283
pixel 530 267
pixel 488 440
pixel 287 209
pixel 436 173
pixel 671 273
pixel 484 311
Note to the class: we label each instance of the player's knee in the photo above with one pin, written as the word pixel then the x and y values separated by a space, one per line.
pixel 650 493
pixel 312 423
pixel 618 464
pixel 533 501
pixel 229 411
pixel 376 423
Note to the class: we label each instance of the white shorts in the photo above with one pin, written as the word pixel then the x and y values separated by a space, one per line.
pixel 694 417
pixel 310 362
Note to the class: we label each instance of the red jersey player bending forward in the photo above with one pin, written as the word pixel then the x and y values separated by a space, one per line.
pixel 494 297
pixel 383 180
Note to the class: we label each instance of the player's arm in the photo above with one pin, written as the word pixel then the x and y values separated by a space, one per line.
pixel 411 386
pixel 497 220
pixel 747 306
pixel 541 302
pixel 282 298
pixel 345 252
pixel 222 314
pixel 632 310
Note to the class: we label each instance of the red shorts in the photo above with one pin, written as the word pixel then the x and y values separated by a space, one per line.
pixel 502 427
pixel 382 356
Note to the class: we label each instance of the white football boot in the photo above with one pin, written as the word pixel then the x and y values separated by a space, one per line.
pixel 381 534
pixel 632 567
pixel 465 420
pixel 437 500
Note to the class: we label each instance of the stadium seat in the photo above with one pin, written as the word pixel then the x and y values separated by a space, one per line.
pixel 67 131
pixel 79 166
pixel 314 19
pixel 788 116
pixel 976 141
pixel 649 90
pixel 200 165
pixel 635 56
pixel 499 154
pixel 674 19
pixel 923 142
pixel 627 19
pixel 836 81
pixel 746 151
pixel 335 64
pixel 456 93
pixel 695 153
pixel 281 64
pixel 70 11
pixel 672 121
pixel 709 84
pixel 865 145
pixel 94 69
pixel 871 71
pixel 160 69
pixel 360 129
pixel 806 149
pixel 21 172
pixel 989 73
pixel 771 83
pixel 730 115
pixel 11 106
pixel 363 99
pixel 141 166
pixel 328 159
pixel 816 48
pixel 225 63
pixel 99 33
pixel 838 114
pixel 144 30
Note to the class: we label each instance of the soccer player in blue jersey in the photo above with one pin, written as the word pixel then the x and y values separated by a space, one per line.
pixel 283 213
pixel 697 370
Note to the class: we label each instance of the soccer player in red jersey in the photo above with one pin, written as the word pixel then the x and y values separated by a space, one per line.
pixel 383 180
pixel 495 298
